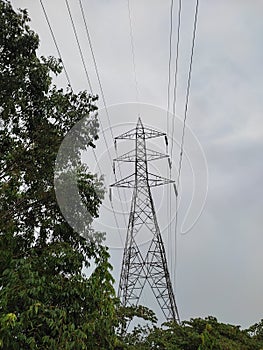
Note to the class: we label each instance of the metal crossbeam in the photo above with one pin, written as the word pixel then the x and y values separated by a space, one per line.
pixel 137 269
pixel 148 133
pixel 131 182
pixel 131 156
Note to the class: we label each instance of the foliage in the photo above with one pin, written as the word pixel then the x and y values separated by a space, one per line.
pixel 196 334
pixel 256 331
pixel 126 314
pixel 45 300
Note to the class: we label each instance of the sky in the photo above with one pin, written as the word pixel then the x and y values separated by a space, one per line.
pixel 218 247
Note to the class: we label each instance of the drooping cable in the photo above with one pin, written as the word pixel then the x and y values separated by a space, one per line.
pixel 103 100
pixel 66 74
pixel 133 52
pixel 79 47
pixel 95 64
pixel 172 254
pixel 114 213
pixel 169 175
pixel 176 72
pixel 188 92
pixel 69 82
pixel 55 42
pixel 85 69
pixel 169 66
pixel 185 112
pixel 88 79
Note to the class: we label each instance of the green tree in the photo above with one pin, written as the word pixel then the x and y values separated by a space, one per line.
pixel 45 300
pixel 196 334
pixel 256 332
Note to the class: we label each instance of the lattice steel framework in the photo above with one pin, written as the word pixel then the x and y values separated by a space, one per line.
pixel 152 267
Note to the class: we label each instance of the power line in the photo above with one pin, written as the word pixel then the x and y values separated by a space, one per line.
pixel 176 71
pixel 85 69
pixel 185 113
pixel 169 199
pixel 103 98
pixel 114 214
pixel 55 42
pixel 169 207
pixel 95 64
pixel 79 47
pixel 88 79
pixel 173 119
pixel 169 65
pixel 67 76
pixel 188 91
pixel 133 52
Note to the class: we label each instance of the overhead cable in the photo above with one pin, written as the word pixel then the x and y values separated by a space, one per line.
pixel 79 47
pixel 188 91
pixel 67 76
pixel 185 114
pixel 55 42
pixel 176 72
pixel 133 52
pixel 102 95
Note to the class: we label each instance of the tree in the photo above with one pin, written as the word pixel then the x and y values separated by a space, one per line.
pixel 45 300
pixel 196 334
pixel 256 332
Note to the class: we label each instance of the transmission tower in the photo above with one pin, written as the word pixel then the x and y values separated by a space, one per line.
pixel 137 268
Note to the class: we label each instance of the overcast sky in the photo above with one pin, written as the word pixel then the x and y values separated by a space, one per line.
pixel 219 261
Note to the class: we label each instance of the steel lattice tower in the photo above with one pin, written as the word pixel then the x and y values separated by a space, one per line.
pixel 152 267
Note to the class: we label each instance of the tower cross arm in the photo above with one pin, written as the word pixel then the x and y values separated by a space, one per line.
pixel 131 156
pixel 151 133
pixel 154 155
pixel 126 157
pixel 139 131
pixel 155 180
pixel 128 182
pixel 129 135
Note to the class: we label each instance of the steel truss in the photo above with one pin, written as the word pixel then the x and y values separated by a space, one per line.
pixel 152 267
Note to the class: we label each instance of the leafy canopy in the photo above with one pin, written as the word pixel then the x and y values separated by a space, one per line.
pixel 45 300
pixel 196 334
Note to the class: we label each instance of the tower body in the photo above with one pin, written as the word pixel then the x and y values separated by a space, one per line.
pixel 139 268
